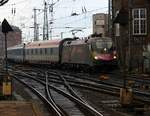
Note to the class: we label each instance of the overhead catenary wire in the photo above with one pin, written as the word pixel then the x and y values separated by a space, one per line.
pixel 65 17
pixel 88 17
pixel 84 15
pixel 87 12
pixel 2 2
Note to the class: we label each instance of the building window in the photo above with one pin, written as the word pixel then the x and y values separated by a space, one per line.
pixel 99 22
pixel 139 21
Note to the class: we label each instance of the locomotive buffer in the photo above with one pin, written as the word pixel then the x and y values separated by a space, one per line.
pixel 6 81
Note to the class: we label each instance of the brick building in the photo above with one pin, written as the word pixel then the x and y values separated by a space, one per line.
pixel 131 22
pixel 13 38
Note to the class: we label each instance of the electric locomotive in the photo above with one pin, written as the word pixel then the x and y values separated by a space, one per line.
pixel 95 51
pixel 103 51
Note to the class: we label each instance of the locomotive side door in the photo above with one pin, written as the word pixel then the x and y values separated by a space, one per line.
pixel 69 53
pixel 66 53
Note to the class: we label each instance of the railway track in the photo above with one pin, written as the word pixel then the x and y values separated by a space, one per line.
pixel 80 80
pixel 58 78
pixel 70 106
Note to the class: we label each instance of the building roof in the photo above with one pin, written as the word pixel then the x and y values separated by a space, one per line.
pixel 16 29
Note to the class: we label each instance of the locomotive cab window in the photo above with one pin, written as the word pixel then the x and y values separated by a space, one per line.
pixel 102 45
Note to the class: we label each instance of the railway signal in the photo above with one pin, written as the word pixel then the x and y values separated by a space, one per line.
pixel 7 84
pixel 5 29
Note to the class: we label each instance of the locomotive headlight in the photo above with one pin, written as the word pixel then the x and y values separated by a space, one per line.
pixel 96 58
pixel 115 57
pixel 105 49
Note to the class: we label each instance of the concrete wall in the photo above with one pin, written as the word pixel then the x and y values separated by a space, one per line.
pixel 100 24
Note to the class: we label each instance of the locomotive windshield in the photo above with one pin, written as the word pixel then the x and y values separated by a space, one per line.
pixel 102 45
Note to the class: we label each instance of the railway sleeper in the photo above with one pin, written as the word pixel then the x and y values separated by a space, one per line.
pixel 141 109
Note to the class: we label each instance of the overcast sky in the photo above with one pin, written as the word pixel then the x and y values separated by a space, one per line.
pixel 23 18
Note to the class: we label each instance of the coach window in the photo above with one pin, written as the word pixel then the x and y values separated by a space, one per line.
pixel 18 51
pixel 21 52
pixel 45 50
pixel 35 51
pixel 48 51
pixel 55 50
pixel 13 51
pixel 51 50
pixel 27 52
pixel 41 51
pixel 31 51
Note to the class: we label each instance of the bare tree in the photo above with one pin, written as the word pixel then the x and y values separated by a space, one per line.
pixel 2 2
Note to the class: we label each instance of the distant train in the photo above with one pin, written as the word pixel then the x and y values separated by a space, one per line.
pixel 91 52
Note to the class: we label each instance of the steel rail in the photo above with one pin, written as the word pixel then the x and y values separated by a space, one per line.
pixel 140 98
pixel 88 107
pixel 40 95
pixel 50 97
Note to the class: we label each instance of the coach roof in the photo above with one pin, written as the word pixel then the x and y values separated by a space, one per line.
pixel 43 44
